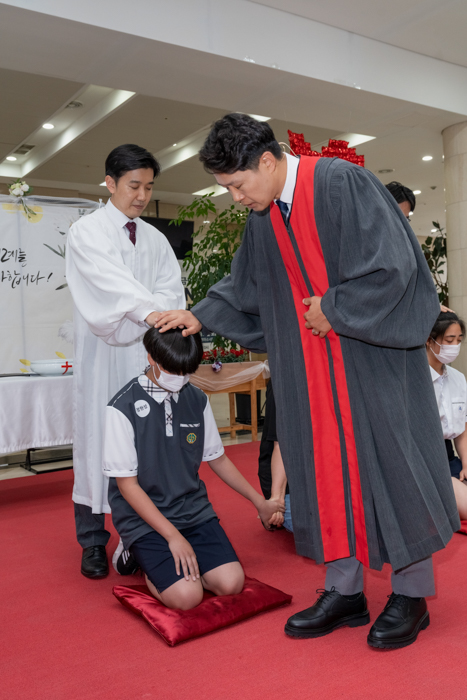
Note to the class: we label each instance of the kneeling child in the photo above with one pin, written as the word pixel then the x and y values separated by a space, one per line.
pixel 158 430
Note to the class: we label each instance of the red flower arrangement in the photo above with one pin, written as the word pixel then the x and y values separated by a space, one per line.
pixel 222 355
pixel 334 149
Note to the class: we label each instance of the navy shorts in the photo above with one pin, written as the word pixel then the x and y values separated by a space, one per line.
pixel 210 544
pixel 455 466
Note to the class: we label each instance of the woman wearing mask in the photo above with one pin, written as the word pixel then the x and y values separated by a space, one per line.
pixel 443 347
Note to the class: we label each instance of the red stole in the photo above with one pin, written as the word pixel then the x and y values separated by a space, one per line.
pixel 319 367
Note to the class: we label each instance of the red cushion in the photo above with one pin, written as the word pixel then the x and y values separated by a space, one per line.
pixel 463 527
pixel 213 613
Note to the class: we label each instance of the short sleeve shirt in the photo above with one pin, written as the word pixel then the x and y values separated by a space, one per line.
pixel 451 396
pixel 120 458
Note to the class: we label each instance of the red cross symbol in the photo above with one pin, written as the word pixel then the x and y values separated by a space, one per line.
pixel 66 367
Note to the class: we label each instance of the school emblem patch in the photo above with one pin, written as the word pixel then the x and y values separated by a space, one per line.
pixel 191 438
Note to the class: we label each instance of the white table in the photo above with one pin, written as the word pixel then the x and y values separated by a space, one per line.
pixel 35 412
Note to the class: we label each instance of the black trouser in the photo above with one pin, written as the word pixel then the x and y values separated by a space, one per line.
pixel 455 464
pixel 90 527
pixel 268 438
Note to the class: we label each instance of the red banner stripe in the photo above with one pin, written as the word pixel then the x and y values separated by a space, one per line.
pixel 306 235
pixel 326 443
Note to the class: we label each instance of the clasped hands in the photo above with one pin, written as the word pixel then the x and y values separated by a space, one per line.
pixel 314 319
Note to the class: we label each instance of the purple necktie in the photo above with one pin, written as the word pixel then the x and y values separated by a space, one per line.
pixel 131 226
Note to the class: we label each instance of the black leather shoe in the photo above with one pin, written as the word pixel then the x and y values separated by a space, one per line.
pixel 399 623
pixel 331 610
pixel 94 562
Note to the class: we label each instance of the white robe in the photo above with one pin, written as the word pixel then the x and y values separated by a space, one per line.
pixel 114 285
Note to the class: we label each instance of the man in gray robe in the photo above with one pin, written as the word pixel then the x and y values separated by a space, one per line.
pixel 330 280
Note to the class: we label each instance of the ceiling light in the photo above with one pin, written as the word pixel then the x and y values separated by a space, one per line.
pixel 102 184
pixel 74 104
pixel 48 126
pixel 214 191
pixel 352 139
pixel 174 144
pixel 206 222
pixel 417 191
pixel 259 118
pixel 383 171
pixel 433 230
pixel 427 158
pixel 10 158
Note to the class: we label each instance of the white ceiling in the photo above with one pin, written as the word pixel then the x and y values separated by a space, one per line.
pixel 180 90
pixel 435 28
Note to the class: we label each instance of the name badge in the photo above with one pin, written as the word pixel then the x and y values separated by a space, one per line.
pixel 142 408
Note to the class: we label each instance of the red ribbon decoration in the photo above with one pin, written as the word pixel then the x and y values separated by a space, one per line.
pixel 334 149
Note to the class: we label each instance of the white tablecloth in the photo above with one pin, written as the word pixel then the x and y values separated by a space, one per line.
pixel 35 412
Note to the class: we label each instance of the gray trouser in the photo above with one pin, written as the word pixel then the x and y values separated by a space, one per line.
pixel 90 527
pixel 416 580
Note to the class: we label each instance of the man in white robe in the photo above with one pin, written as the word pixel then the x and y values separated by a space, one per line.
pixel 121 272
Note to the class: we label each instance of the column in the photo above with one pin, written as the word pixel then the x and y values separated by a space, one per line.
pixel 455 176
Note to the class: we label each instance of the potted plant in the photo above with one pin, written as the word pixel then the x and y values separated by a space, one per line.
pixel 435 253
pixel 214 245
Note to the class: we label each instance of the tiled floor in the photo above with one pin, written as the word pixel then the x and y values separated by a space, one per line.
pixel 220 407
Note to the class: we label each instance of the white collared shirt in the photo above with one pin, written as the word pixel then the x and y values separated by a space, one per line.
pixel 451 396
pixel 290 180
pixel 119 451
pixel 118 218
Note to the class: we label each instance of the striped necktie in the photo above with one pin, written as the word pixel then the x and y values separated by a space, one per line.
pixel 131 226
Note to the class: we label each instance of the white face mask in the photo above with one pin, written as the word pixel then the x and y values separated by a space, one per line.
pixel 170 382
pixel 447 353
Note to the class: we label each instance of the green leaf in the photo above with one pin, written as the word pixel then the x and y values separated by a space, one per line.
pixel 62 255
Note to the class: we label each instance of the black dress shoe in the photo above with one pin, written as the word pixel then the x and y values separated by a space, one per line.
pixel 94 562
pixel 331 610
pixel 399 623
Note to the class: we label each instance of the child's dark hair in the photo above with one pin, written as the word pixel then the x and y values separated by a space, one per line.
pixel 444 320
pixel 172 351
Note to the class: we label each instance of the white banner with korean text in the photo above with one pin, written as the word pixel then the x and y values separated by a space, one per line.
pixel 34 299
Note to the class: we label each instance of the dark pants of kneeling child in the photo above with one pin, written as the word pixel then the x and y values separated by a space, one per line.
pixel 210 544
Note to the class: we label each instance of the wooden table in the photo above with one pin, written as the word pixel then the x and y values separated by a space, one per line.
pixel 248 387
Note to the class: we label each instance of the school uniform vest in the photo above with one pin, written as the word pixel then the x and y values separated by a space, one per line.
pixel 167 466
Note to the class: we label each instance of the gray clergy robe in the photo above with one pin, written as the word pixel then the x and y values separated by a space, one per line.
pixel 357 419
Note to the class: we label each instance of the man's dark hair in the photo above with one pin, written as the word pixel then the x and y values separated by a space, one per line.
pixel 129 157
pixel 237 142
pixel 172 351
pixel 401 194
pixel 444 320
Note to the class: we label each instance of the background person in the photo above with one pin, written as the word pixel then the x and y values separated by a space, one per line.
pixel 403 196
pixel 121 272
pixel 442 348
pixel 271 472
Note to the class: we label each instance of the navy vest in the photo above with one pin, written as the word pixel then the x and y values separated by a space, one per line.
pixel 167 466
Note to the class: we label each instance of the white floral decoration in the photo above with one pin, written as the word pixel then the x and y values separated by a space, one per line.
pixel 20 188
